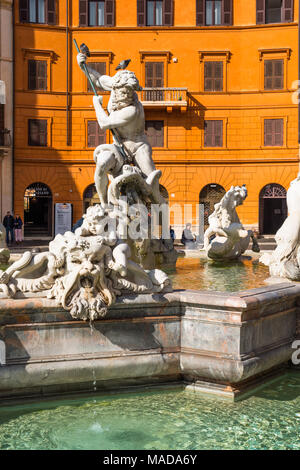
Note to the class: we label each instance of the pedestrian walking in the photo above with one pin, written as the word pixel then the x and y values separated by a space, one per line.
pixel 8 223
pixel 18 223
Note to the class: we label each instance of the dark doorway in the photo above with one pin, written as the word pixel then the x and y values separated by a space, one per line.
pixel 90 197
pixel 272 208
pixel 38 211
pixel 210 195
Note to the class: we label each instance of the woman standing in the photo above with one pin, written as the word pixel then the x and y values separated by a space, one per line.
pixel 18 229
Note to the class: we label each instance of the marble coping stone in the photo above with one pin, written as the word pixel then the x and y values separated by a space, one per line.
pixel 224 343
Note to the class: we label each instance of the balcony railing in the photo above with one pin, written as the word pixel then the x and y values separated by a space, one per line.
pixel 163 96
pixel 5 138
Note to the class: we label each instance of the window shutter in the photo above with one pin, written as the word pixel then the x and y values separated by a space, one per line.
pixel 51 11
pixel 213 76
pixel 213 133
pixel 43 132
pixel 155 133
pixel 218 66
pixel 92 133
pixel 273 74
pixel 260 11
pixel 278 74
pixel 159 74
pixel 37 132
pixel 109 12
pixel 208 76
pixel 159 133
pixel 23 11
pixel 200 13
pixel 100 135
pixel 288 11
pixel 208 133
pixel 83 12
pixel 227 13
pixel 141 12
pixel 42 74
pixel 98 67
pixel 33 133
pixel 273 132
pixel 32 74
pixel 168 13
pixel 149 74
pixel 278 131
pixel 218 133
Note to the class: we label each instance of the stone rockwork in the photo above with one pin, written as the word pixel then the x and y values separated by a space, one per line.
pixel 226 238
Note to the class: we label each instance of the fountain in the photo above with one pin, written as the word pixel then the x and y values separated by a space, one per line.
pixel 226 238
pixel 144 333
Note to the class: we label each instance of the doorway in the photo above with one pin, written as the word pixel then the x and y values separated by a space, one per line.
pixel 272 208
pixel 38 211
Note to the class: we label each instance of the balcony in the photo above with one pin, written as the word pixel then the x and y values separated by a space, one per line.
pixel 164 98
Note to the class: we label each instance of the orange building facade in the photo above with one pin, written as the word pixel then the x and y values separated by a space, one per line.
pixel 223 113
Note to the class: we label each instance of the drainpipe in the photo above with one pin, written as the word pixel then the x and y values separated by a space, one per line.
pixel 13 110
pixel 299 79
pixel 67 76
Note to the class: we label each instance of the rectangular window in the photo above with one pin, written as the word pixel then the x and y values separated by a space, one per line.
pixel 96 13
pixel 154 78
pixel 37 132
pixel 99 67
pixel 273 132
pixel 213 133
pixel 37 11
pixel 37 75
pixel 95 135
pixel 155 12
pixel 274 11
pixel 274 74
pixel 214 12
pixel 155 133
pixel 213 76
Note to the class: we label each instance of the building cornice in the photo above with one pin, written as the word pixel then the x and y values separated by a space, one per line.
pixel 146 29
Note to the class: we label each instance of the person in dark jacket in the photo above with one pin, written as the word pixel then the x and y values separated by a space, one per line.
pixel 8 223
pixel 18 229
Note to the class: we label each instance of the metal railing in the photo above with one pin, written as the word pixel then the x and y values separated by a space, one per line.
pixel 5 138
pixel 168 95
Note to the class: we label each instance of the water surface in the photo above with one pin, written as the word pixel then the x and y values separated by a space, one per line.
pixel 200 274
pixel 158 420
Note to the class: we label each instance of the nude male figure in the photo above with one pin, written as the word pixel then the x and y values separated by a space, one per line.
pixel 126 117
